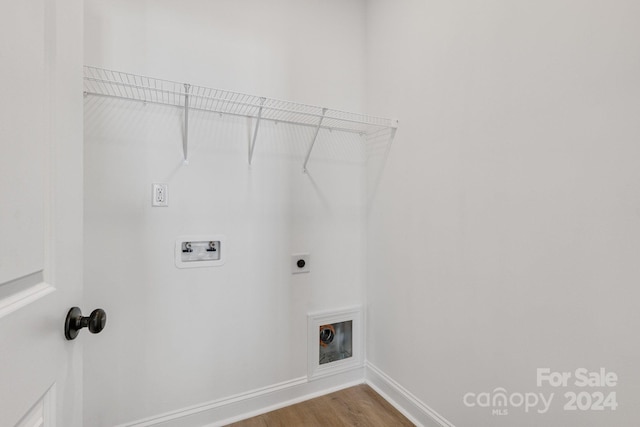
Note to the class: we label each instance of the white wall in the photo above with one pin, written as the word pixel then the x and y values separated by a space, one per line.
pixel 502 237
pixel 509 209
pixel 177 338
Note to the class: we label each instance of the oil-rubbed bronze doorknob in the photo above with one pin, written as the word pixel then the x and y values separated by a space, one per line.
pixel 75 321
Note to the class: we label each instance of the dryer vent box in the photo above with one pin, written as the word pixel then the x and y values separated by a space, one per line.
pixel 334 341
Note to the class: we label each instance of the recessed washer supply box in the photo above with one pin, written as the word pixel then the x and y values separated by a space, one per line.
pixel 207 250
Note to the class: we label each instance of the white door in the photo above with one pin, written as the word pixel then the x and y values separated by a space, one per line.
pixel 40 211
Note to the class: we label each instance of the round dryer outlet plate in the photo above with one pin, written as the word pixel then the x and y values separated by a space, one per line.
pixel 300 263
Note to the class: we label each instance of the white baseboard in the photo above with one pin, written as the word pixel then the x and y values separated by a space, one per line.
pixel 410 406
pixel 246 405
pixel 241 406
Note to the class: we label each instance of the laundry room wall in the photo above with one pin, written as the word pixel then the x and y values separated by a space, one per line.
pixel 505 231
pixel 176 338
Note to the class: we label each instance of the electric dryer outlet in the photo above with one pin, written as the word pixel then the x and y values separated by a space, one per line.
pixel 300 263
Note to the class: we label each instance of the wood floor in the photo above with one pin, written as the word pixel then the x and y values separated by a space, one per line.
pixel 355 406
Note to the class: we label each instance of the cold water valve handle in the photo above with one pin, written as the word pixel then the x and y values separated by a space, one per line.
pixel 75 321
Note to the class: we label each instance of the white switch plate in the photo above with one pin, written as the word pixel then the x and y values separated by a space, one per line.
pixel 159 195
pixel 305 261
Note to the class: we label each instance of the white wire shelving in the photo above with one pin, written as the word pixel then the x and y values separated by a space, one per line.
pixel 118 84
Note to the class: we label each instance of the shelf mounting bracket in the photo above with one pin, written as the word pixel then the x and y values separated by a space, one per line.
pixel 255 130
pixel 393 132
pixel 315 136
pixel 185 140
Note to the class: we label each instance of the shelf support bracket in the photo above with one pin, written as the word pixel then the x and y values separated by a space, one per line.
pixel 394 128
pixel 185 140
pixel 315 136
pixel 255 130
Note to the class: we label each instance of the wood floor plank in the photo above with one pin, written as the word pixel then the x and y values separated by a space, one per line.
pixel 358 406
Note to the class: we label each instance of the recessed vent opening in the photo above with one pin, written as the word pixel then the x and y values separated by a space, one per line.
pixel 334 341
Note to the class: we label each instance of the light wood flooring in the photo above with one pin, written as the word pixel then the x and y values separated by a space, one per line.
pixel 354 406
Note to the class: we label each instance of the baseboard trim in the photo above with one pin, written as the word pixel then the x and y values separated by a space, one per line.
pixel 409 405
pixel 250 404
pixel 241 406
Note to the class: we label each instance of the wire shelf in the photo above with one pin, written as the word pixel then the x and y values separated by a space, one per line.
pixel 117 84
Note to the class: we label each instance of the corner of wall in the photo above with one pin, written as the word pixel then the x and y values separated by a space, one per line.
pixel 403 400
